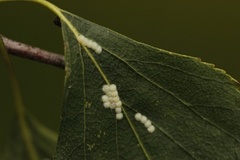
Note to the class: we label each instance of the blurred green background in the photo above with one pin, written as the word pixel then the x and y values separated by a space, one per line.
pixel 208 29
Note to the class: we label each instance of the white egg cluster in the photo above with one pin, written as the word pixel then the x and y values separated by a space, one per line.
pixel 112 100
pixel 144 120
pixel 89 43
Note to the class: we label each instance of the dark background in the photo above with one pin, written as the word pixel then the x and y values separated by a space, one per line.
pixel 208 29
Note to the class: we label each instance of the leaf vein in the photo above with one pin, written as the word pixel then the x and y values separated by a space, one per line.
pixel 179 70
pixel 84 108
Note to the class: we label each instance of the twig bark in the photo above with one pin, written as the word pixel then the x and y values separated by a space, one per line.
pixel 33 53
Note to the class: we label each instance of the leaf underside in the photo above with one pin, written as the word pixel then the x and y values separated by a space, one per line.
pixel 194 106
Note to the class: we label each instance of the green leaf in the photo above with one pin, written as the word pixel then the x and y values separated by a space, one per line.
pixel 44 141
pixel 28 138
pixel 194 106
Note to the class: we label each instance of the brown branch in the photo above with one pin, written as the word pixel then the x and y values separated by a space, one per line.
pixel 33 53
